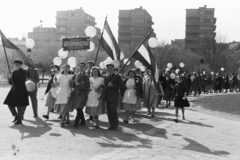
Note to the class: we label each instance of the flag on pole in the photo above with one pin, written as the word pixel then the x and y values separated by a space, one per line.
pixel 145 56
pixel 9 45
pixel 109 43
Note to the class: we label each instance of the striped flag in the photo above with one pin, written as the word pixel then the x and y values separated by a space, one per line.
pixel 109 43
pixel 145 56
pixel 9 45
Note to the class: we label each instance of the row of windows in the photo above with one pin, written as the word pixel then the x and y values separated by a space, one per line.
pixel 138 13
pixel 206 28
pixel 207 13
pixel 137 36
pixel 206 36
pixel 137 21
pixel 207 20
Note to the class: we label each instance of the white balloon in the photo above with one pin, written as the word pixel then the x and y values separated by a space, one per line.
pixel 222 69
pixel 57 61
pixel 167 69
pixel 62 54
pixel 181 64
pixel 176 71
pixel 92 46
pixel 116 63
pixel 142 68
pixel 109 59
pixel 30 85
pixel 153 42
pixel 172 76
pixel 138 64
pixel 29 43
pixel 72 62
pixel 169 65
pixel 101 65
pixel 91 31
pixel 122 56
pixel 125 61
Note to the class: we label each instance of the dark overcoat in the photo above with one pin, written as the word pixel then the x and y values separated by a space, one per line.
pixel 18 97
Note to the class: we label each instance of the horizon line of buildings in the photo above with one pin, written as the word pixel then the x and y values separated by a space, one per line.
pixel 133 26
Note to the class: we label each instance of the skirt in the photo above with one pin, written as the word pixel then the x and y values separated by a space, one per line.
pixel 50 102
pixel 180 103
pixel 132 107
pixel 96 110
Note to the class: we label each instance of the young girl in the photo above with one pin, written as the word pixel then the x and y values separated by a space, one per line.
pixel 63 93
pixel 132 95
pixel 180 91
pixel 94 106
pixel 51 90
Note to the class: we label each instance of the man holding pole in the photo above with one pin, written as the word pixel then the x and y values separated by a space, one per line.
pixel 113 83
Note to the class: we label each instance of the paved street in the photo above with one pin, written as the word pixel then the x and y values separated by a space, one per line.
pixel 201 136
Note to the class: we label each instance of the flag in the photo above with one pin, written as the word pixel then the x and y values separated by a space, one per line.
pixel 109 43
pixel 145 56
pixel 8 44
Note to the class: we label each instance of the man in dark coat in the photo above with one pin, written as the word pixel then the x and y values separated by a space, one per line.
pixel 113 83
pixel 81 86
pixel 18 96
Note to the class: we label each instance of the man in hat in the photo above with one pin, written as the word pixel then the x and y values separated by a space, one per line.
pixel 113 84
pixel 17 96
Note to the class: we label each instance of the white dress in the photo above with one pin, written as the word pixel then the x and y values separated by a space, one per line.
pixel 64 89
pixel 93 106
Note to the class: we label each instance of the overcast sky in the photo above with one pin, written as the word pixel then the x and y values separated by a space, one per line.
pixel 17 17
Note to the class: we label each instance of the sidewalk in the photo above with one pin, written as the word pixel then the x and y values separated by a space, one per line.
pixel 199 137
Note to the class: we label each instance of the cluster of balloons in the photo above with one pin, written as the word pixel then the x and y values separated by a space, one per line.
pixel 61 55
pixel 139 65
pixel 109 60
pixel 91 31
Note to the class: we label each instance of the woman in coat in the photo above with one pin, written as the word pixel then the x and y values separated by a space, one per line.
pixel 151 93
pixel 179 95
pixel 132 95
pixel 17 96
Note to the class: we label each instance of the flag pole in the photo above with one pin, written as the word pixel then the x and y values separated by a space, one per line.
pixel 6 59
pixel 99 43
pixel 126 62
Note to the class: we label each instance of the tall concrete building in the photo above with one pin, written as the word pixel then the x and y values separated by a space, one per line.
pixel 73 22
pixel 133 26
pixel 200 28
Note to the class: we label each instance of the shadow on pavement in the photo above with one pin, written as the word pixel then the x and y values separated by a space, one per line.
pixel 31 131
pixel 197 147
pixel 196 123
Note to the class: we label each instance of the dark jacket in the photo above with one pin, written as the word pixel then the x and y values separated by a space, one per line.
pixel 180 89
pixel 19 96
pixel 112 93
pixel 138 87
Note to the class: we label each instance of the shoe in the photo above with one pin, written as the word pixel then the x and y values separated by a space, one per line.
pixel 148 113
pixel 67 122
pixel 15 119
pixel 133 120
pixel 90 118
pixel 96 126
pixel 176 120
pixel 111 128
pixel 18 122
pixel 183 118
pixel 152 115
pixel 60 117
pixel 52 110
pixel 125 121
pixel 35 116
pixel 46 116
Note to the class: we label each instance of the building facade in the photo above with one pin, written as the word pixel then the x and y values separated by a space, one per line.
pixel 68 23
pixel 200 28
pixel 133 26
